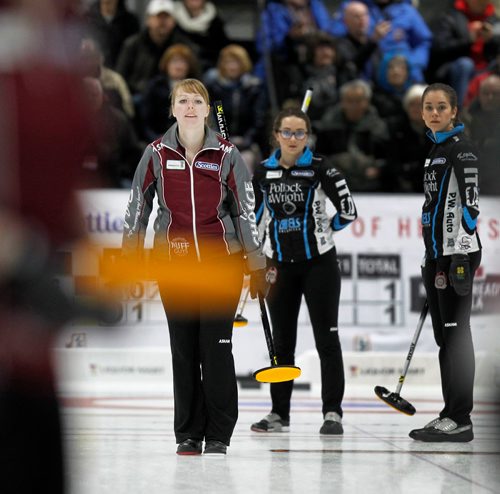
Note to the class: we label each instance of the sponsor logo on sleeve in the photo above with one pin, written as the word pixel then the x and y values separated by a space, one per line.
pixel 464 243
pixel 225 148
pixel 467 157
pixel 472 197
pixel 137 213
pixel 248 211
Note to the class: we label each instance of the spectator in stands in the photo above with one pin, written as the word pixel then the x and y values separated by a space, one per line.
pixel 357 45
pixel 114 85
pixel 322 74
pixel 473 87
pixel 406 33
pixel 355 138
pixel 244 100
pixel 141 53
pixel 200 22
pixel 177 63
pixel 482 119
pixel 282 38
pixel 111 23
pixel 115 148
pixel 392 81
pixel 409 145
pixel 465 41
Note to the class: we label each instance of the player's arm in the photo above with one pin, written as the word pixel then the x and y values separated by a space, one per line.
pixel 465 161
pixel 335 186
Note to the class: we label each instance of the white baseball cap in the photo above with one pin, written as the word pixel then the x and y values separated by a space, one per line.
pixel 156 7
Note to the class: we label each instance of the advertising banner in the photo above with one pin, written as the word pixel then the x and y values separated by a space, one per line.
pixel 379 255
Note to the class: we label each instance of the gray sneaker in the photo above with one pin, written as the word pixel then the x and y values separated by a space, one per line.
pixel 271 423
pixel 332 424
pixel 446 430
pixel 415 432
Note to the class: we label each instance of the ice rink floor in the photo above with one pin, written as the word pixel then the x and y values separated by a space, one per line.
pixel 124 444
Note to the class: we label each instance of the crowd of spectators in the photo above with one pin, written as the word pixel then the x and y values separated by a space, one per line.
pixel 367 61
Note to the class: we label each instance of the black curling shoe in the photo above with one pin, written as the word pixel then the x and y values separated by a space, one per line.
pixel 215 448
pixel 189 447
pixel 445 430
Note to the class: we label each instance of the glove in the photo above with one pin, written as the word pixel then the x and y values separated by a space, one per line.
pixel 258 283
pixel 459 274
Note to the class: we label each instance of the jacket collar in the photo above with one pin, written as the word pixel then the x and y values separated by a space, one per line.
pixel 305 159
pixel 170 138
pixel 440 137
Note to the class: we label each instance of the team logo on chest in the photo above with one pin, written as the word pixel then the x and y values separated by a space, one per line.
pixel 274 173
pixel 175 165
pixel 438 161
pixel 302 173
pixel 179 246
pixel 280 193
pixel 204 165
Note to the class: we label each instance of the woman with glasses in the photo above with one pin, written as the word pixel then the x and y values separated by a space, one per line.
pixel 293 189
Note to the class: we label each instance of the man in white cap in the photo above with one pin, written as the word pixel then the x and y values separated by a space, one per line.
pixel 140 55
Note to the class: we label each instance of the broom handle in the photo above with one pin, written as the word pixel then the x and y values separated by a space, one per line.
pixel 420 324
pixel 267 330
pixel 307 100
pixel 221 119
pixel 243 301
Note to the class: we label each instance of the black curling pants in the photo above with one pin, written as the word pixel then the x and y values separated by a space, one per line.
pixel 318 280
pixel 450 315
pixel 200 320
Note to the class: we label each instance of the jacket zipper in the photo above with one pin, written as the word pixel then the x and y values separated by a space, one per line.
pixel 193 206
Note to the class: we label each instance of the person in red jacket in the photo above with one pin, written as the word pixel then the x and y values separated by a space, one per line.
pixel 43 125
pixel 466 39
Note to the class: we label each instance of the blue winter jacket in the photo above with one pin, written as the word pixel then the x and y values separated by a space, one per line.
pixel 275 22
pixel 409 35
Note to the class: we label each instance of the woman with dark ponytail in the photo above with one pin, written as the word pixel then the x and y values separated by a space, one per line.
pixel 452 255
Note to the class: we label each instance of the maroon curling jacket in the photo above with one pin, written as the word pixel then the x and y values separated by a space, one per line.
pixel 205 209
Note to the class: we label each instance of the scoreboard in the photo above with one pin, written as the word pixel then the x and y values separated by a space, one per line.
pixel 372 290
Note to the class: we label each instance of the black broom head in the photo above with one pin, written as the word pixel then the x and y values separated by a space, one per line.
pixel 395 401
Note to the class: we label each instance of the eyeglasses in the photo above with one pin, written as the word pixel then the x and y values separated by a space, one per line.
pixel 287 134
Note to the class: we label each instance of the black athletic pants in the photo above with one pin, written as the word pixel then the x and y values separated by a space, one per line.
pixel 450 315
pixel 319 281
pixel 201 326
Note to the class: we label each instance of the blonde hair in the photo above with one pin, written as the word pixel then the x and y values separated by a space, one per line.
pixel 189 86
pixel 238 52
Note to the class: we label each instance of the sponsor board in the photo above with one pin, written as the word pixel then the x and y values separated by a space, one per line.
pixel 381 297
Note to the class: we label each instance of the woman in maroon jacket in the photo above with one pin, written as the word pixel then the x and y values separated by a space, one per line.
pixel 204 232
